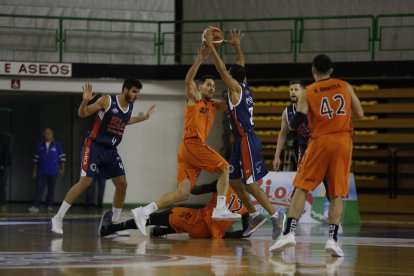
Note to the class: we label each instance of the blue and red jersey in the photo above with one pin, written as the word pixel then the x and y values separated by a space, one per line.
pixel 241 113
pixel 109 125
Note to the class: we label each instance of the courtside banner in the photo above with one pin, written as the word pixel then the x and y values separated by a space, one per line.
pixel 35 69
pixel 278 187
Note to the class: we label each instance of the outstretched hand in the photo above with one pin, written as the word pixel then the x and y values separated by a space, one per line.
pixel 236 37
pixel 150 111
pixel 209 38
pixel 202 53
pixel 87 92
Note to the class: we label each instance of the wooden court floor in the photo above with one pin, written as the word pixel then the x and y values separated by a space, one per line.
pixel 28 248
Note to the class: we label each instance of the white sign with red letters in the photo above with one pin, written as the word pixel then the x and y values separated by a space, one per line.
pixel 35 69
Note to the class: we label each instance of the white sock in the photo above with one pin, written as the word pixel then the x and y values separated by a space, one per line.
pixel 150 208
pixel 252 215
pixel 63 209
pixel 116 213
pixel 221 202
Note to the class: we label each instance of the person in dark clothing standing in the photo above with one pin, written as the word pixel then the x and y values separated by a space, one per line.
pixel 49 163
pixel 5 161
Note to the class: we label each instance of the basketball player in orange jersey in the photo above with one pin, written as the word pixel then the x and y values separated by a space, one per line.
pixel 193 154
pixel 196 222
pixel 246 160
pixel 330 105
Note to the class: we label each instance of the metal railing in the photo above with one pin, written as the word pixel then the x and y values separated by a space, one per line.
pixel 296 36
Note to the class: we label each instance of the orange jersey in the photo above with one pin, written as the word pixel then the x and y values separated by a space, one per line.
pixel 198 222
pixel 218 227
pixel 329 107
pixel 199 119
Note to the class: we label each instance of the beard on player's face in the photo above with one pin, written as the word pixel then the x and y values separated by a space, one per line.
pixel 130 97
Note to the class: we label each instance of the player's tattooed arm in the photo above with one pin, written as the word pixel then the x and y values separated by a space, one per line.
pixel 146 116
pixel 236 37
pixel 233 86
pixel 86 110
pixel 191 88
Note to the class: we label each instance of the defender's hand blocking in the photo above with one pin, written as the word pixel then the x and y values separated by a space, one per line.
pixel 87 92
pixel 236 37
pixel 150 111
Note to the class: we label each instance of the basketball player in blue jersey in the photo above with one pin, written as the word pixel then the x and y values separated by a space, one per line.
pixel 303 132
pixel 99 153
pixel 246 160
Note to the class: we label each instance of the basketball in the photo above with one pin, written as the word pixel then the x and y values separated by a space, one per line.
pixel 218 36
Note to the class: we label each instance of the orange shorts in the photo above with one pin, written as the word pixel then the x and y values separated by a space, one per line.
pixel 194 156
pixel 190 221
pixel 328 156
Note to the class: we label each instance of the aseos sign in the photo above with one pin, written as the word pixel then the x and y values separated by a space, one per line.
pixel 35 69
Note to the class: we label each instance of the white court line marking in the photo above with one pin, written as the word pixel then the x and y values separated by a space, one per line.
pixel 22 222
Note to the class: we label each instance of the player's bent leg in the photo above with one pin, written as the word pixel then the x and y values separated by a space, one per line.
pixel 141 214
pixel 56 223
pixel 221 212
pixel 244 196
pixel 278 217
pixel 121 185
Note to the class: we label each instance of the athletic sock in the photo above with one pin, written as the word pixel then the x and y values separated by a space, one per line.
pixel 150 208
pixel 116 213
pixel 333 231
pixel 253 215
pixel 221 202
pixel 63 209
pixel 290 226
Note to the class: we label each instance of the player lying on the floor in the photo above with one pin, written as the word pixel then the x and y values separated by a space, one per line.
pixel 196 222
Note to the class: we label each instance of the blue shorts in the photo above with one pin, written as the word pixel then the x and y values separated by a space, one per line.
pixel 246 159
pixel 100 160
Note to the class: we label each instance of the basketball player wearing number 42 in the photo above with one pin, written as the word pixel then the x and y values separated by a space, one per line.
pixel 99 154
pixel 246 160
pixel 194 155
pixel 330 105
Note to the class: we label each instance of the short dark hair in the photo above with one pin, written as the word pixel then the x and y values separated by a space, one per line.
pixel 322 63
pixel 129 83
pixel 238 72
pixel 297 81
pixel 203 78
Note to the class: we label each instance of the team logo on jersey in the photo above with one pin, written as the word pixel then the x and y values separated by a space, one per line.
pixel 204 110
pixel 115 110
pixel 93 167
pixel 231 169
pixel 249 100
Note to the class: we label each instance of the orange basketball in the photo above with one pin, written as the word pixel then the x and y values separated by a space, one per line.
pixel 218 36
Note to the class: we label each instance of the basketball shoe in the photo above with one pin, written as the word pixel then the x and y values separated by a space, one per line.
pixel 283 242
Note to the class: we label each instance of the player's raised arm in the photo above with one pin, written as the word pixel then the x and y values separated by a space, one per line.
pixel 146 116
pixel 190 86
pixel 236 36
pixel 356 108
pixel 232 84
pixel 86 110
pixel 281 140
